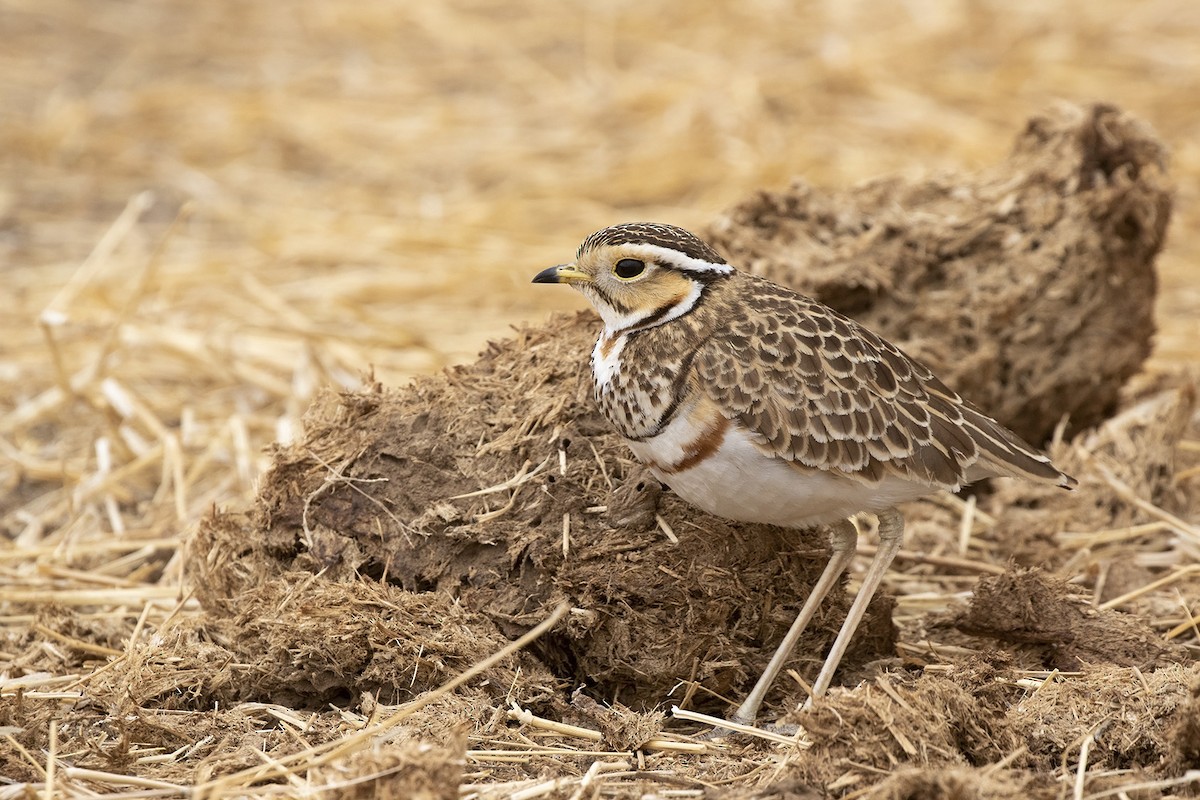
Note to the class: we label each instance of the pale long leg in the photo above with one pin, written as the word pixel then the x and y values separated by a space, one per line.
pixel 891 531
pixel 843 540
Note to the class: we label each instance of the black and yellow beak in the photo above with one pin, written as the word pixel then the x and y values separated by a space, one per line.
pixel 563 273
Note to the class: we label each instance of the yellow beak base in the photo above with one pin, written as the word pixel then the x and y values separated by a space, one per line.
pixel 563 273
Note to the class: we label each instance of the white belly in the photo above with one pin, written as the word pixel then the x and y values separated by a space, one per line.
pixel 740 482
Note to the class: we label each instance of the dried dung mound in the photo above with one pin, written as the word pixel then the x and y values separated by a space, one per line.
pixel 304 643
pixel 500 485
pixel 791 790
pixel 942 725
pixel 621 728
pixel 1028 610
pixel 1133 718
pixel 1028 288
pixel 288 649
pixel 930 720
pixel 1123 466
pixel 956 783
pixel 414 771
pixel 1133 492
pixel 1184 733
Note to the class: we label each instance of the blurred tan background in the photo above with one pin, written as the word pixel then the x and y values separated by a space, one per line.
pixel 336 185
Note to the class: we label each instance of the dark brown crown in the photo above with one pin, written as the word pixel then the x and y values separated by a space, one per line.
pixel 653 233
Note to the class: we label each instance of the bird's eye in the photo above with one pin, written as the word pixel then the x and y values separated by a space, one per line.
pixel 629 268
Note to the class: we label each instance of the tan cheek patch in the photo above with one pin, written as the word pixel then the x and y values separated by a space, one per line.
pixel 666 290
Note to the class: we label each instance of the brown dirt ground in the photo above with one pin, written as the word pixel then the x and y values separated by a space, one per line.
pixel 341 618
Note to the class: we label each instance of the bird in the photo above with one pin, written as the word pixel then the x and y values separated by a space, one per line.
pixel 756 403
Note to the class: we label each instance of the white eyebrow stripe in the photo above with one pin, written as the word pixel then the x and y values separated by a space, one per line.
pixel 674 258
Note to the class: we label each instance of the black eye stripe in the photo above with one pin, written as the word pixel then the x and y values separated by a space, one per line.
pixel 629 268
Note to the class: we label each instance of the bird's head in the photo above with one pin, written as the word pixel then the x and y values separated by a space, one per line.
pixel 640 274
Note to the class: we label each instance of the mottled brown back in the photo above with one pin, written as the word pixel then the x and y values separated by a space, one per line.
pixel 818 389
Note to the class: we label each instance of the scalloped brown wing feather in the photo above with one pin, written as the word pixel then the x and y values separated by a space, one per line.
pixel 818 389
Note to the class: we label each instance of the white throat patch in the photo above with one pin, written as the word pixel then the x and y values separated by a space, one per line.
pixel 606 359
